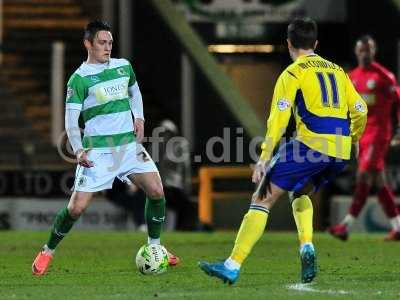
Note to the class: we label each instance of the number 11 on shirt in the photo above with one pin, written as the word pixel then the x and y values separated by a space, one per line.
pixel 324 90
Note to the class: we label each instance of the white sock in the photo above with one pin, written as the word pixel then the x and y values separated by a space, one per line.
pixel 47 250
pixel 348 220
pixel 153 241
pixel 306 244
pixel 395 222
pixel 231 264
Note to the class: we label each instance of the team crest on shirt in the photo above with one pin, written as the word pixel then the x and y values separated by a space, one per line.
pixel 121 71
pixel 95 78
pixel 70 92
pixel 359 106
pixel 371 84
pixel 283 104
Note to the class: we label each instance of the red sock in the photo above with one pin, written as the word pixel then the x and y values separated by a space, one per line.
pixel 386 199
pixel 360 197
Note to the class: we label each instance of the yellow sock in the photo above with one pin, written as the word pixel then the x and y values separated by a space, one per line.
pixel 303 215
pixel 251 229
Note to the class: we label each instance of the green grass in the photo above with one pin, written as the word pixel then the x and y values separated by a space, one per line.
pixel 99 265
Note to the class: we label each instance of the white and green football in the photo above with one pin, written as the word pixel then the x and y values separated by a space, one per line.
pixel 152 259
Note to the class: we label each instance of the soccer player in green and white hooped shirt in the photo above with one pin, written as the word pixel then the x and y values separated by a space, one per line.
pixel 105 91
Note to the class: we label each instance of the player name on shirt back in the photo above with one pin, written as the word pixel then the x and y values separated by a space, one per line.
pixel 319 64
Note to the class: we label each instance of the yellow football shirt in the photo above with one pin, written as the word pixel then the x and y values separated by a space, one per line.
pixel 330 115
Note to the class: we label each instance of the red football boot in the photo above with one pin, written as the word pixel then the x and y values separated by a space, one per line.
pixel 173 260
pixel 339 231
pixel 41 263
pixel 393 235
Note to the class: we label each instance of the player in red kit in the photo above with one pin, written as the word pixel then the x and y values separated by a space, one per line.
pixel 377 86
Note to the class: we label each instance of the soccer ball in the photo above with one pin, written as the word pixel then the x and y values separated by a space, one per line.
pixel 152 259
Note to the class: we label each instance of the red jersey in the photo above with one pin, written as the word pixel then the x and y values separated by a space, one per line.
pixel 377 86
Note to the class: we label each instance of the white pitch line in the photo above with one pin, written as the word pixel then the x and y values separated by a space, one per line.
pixel 306 287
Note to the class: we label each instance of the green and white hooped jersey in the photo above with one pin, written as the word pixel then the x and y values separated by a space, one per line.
pixel 100 92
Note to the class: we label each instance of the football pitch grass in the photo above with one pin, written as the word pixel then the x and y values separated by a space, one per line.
pixel 100 265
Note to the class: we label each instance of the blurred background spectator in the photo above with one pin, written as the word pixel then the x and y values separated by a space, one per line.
pixel 174 167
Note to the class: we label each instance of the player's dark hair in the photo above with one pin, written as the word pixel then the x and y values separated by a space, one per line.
pixel 302 33
pixel 365 39
pixel 93 28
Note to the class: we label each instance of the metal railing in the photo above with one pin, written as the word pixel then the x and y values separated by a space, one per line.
pixel 207 193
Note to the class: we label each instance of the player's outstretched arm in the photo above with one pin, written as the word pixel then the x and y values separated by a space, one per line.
pixel 259 170
pixel 358 112
pixel 83 159
pixel 280 112
pixel 74 137
pixel 136 104
pixel 139 129
pixel 76 93
pixel 396 138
